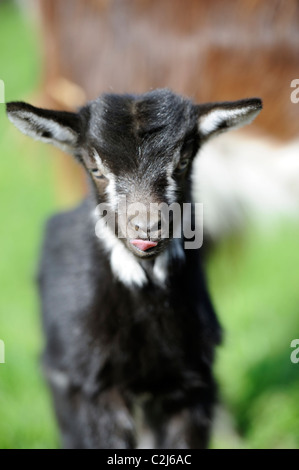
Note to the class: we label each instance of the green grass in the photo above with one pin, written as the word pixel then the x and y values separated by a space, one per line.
pixel 27 195
pixel 255 287
pixel 253 279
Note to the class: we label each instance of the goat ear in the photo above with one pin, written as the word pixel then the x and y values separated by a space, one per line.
pixel 215 118
pixel 60 128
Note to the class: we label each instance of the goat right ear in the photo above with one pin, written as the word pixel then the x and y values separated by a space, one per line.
pixel 60 128
pixel 215 118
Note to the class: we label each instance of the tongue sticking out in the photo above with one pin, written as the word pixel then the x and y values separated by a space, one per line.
pixel 143 244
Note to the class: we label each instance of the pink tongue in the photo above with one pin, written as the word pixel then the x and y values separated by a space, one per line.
pixel 143 244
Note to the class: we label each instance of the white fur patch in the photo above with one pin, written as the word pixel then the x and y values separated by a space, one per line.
pixel 171 187
pixel 111 191
pixel 124 265
pixel 210 122
pixel 98 160
pixel 62 137
pixel 111 188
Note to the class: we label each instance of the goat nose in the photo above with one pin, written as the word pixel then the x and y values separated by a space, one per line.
pixel 144 227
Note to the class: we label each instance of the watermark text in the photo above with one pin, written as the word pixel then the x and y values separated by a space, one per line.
pixel 295 93
pixel 295 353
pixel 152 221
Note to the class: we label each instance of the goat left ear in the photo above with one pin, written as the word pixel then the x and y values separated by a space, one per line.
pixel 60 128
pixel 215 118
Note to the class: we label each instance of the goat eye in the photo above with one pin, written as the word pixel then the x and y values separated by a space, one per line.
pixel 182 165
pixel 96 172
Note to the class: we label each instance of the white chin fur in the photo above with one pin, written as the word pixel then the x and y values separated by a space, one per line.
pixel 124 265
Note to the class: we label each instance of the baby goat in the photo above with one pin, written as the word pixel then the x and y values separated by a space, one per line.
pixel 127 317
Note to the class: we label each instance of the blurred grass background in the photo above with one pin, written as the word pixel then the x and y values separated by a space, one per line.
pixel 253 279
pixel 27 197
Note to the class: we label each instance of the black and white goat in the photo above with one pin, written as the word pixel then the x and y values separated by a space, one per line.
pixel 128 319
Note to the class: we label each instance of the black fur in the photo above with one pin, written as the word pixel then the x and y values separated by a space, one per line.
pixel 119 343
pixel 110 346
